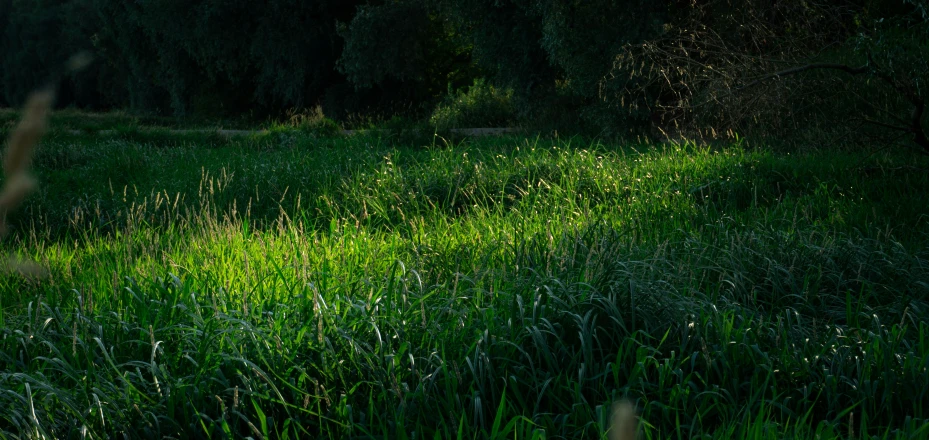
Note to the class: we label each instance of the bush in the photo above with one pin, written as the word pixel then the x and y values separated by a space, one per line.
pixel 312 122
pixel 481 105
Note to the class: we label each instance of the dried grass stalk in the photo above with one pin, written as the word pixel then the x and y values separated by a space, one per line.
pixel 624 425
pixel 15 190
pixel 26 136
pixel 19 184
pixel 79 61
pixel 24 268
pixel 20 149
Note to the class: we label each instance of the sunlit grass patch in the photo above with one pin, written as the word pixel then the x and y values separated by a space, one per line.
pixel 502 287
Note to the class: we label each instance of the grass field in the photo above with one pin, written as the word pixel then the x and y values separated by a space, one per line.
pixel 292 286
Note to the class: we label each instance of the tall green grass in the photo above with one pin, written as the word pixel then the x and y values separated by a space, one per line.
pixel 290 286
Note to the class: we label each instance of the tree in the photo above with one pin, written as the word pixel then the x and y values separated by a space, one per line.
pixel 37 38
pixel 782 69
pixel 279 53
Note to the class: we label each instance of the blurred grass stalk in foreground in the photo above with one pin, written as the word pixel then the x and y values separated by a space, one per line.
pixel 18 182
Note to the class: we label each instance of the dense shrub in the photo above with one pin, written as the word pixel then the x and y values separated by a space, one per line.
pixel 480 105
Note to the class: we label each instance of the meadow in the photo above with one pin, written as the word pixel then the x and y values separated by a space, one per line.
pixel 293 285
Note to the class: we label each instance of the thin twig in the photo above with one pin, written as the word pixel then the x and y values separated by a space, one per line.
pixel 814 66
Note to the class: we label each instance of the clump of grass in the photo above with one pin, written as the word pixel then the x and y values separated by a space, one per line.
pixel 310 121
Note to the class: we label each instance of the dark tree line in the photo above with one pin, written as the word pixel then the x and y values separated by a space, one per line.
pixel 608 65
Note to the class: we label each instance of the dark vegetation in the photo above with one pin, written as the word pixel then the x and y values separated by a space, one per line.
pixel 600 67
pixel 767 279
pixel 354 287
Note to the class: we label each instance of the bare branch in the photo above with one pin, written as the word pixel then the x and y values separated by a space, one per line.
pixel 814 66
pixel 885 125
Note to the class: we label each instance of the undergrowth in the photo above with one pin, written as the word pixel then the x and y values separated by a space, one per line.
pixel 505 287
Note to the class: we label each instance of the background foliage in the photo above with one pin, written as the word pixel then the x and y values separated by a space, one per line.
pixel 599 67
